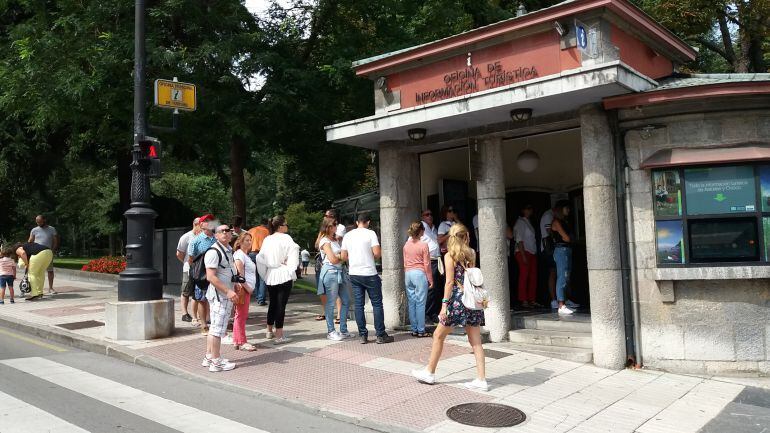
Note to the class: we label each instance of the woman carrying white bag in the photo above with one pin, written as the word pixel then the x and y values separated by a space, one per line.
pixel 461 306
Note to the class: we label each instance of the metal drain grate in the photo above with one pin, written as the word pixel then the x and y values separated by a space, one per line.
pixel 80 325
pixel 486 415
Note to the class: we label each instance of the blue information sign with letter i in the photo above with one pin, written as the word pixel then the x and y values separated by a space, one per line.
pixel 582 36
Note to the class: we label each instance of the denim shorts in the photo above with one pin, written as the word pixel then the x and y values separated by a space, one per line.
pixel 6 281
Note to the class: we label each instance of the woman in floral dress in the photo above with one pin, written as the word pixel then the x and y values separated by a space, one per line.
pixel 453 313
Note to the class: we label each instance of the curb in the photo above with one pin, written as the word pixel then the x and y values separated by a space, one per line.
pixel 131 356
pixel 89 277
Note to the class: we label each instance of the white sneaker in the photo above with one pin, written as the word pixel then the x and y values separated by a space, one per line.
pixel 554 304
pixel 269 335
pixel 282 340
pixel 227 339
pixel 565 310
pixel 571 304
pixel 207 361
pixel 423 376
pixel 346 335
pixel 220 365
pixel 477 385
pixel 334 336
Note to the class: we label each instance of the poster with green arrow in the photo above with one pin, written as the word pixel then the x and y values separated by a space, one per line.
pixel 720 190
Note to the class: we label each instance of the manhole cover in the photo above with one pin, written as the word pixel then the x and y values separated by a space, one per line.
pixel 486 415
pixel 80 325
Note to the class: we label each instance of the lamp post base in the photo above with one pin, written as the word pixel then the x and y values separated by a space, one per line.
pixel 142 320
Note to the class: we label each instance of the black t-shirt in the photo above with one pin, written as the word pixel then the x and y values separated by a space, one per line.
pixel 32 248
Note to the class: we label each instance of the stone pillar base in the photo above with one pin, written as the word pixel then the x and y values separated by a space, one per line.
pixel 140 320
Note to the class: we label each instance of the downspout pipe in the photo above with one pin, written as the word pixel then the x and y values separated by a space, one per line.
pixel 627 259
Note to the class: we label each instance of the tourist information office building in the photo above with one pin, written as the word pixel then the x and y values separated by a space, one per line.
pixel 668 174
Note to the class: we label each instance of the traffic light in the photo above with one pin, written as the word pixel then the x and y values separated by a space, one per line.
pixel 151 151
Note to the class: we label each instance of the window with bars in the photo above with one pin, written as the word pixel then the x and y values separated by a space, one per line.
pixel 712 215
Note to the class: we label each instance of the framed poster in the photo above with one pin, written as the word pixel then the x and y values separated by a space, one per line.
pixel 670 247
pixel 720 190
pixel 668 193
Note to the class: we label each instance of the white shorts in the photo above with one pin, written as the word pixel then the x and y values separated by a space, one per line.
pixel 220 315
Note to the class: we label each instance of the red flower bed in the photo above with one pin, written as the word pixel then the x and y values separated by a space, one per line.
pixel 106 265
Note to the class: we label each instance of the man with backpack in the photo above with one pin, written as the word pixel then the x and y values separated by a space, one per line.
pixel 223 282
pixel 195 251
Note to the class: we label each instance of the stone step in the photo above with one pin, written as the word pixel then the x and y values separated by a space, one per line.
pixel 551 324
pixel 574 354
pixel 551 338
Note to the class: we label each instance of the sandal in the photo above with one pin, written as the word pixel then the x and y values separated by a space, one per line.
pixel 320 317
pixel 247 347
pixel 424 334
pixel 415 334
pixel 337 321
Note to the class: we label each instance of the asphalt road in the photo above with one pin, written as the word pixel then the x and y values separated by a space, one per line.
pixel 45 387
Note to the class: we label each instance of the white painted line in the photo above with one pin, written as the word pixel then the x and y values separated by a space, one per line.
pixel 149 406
pixel 17 416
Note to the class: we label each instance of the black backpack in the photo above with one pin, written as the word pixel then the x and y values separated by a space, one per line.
pixel 198 267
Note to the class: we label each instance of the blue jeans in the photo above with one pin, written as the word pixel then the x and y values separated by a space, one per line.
pixel 334 285
pixel 261 289
pixel 563 258
pixel 416 295
pixel 371 285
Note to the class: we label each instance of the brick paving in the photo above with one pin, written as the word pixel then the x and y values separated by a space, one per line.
pixel 373 381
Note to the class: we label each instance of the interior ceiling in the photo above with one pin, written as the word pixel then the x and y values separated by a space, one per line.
pixel 561 162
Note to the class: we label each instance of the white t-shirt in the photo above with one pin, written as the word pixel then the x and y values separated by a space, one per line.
pixel 524 232
pixel 444 227
pixel 212 261
pixel 335 249
pixel 340 233
pixel 358 243
pixel 184 242
pixel 249 267
pixel 431 238
pixel 545 224
pixel 305 254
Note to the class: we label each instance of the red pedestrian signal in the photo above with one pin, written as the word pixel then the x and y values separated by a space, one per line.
pixel 151 150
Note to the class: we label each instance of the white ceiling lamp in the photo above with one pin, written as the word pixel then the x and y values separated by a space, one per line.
pixel 528 160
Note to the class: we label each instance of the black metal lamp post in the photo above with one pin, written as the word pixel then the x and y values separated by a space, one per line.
pixel 140 281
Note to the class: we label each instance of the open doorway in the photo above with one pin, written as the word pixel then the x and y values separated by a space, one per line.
pixel 557 175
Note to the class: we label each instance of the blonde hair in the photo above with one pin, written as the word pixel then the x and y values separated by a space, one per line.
pixel 458 248
pixel 241 238
pixel 415 229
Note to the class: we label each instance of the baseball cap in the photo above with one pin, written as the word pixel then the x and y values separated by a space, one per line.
pixel 207 217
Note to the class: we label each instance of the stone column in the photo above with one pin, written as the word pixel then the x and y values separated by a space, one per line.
pixel 399 206
pixel 602 243
pixel 490 191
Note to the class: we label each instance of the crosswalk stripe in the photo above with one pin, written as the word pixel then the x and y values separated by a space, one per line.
pixel 17 416
pixel 149 406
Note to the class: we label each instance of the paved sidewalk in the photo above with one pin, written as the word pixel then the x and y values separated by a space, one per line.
pixel 371 384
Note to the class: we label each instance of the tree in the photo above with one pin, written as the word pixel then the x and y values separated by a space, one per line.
pixel 738 32
pixel 303 225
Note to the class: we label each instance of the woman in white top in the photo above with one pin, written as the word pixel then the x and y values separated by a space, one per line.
pixel 248 270
pixel 331 280
pixel 526 257
pixel 277 264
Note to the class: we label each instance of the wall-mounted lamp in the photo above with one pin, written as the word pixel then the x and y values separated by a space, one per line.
pixel 521 114
pixel 560 29
pixel 417 134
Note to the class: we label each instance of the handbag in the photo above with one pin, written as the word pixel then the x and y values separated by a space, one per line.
pixel 475 296
pixel 241 299
pixel 24 286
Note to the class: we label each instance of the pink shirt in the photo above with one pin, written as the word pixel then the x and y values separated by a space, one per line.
pixel 417 256
pixel 7 267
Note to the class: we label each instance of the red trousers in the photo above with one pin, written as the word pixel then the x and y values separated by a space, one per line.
pixel 527 276
pixel 239 322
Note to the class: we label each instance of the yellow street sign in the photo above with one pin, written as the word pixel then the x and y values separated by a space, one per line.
pixel 175 94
